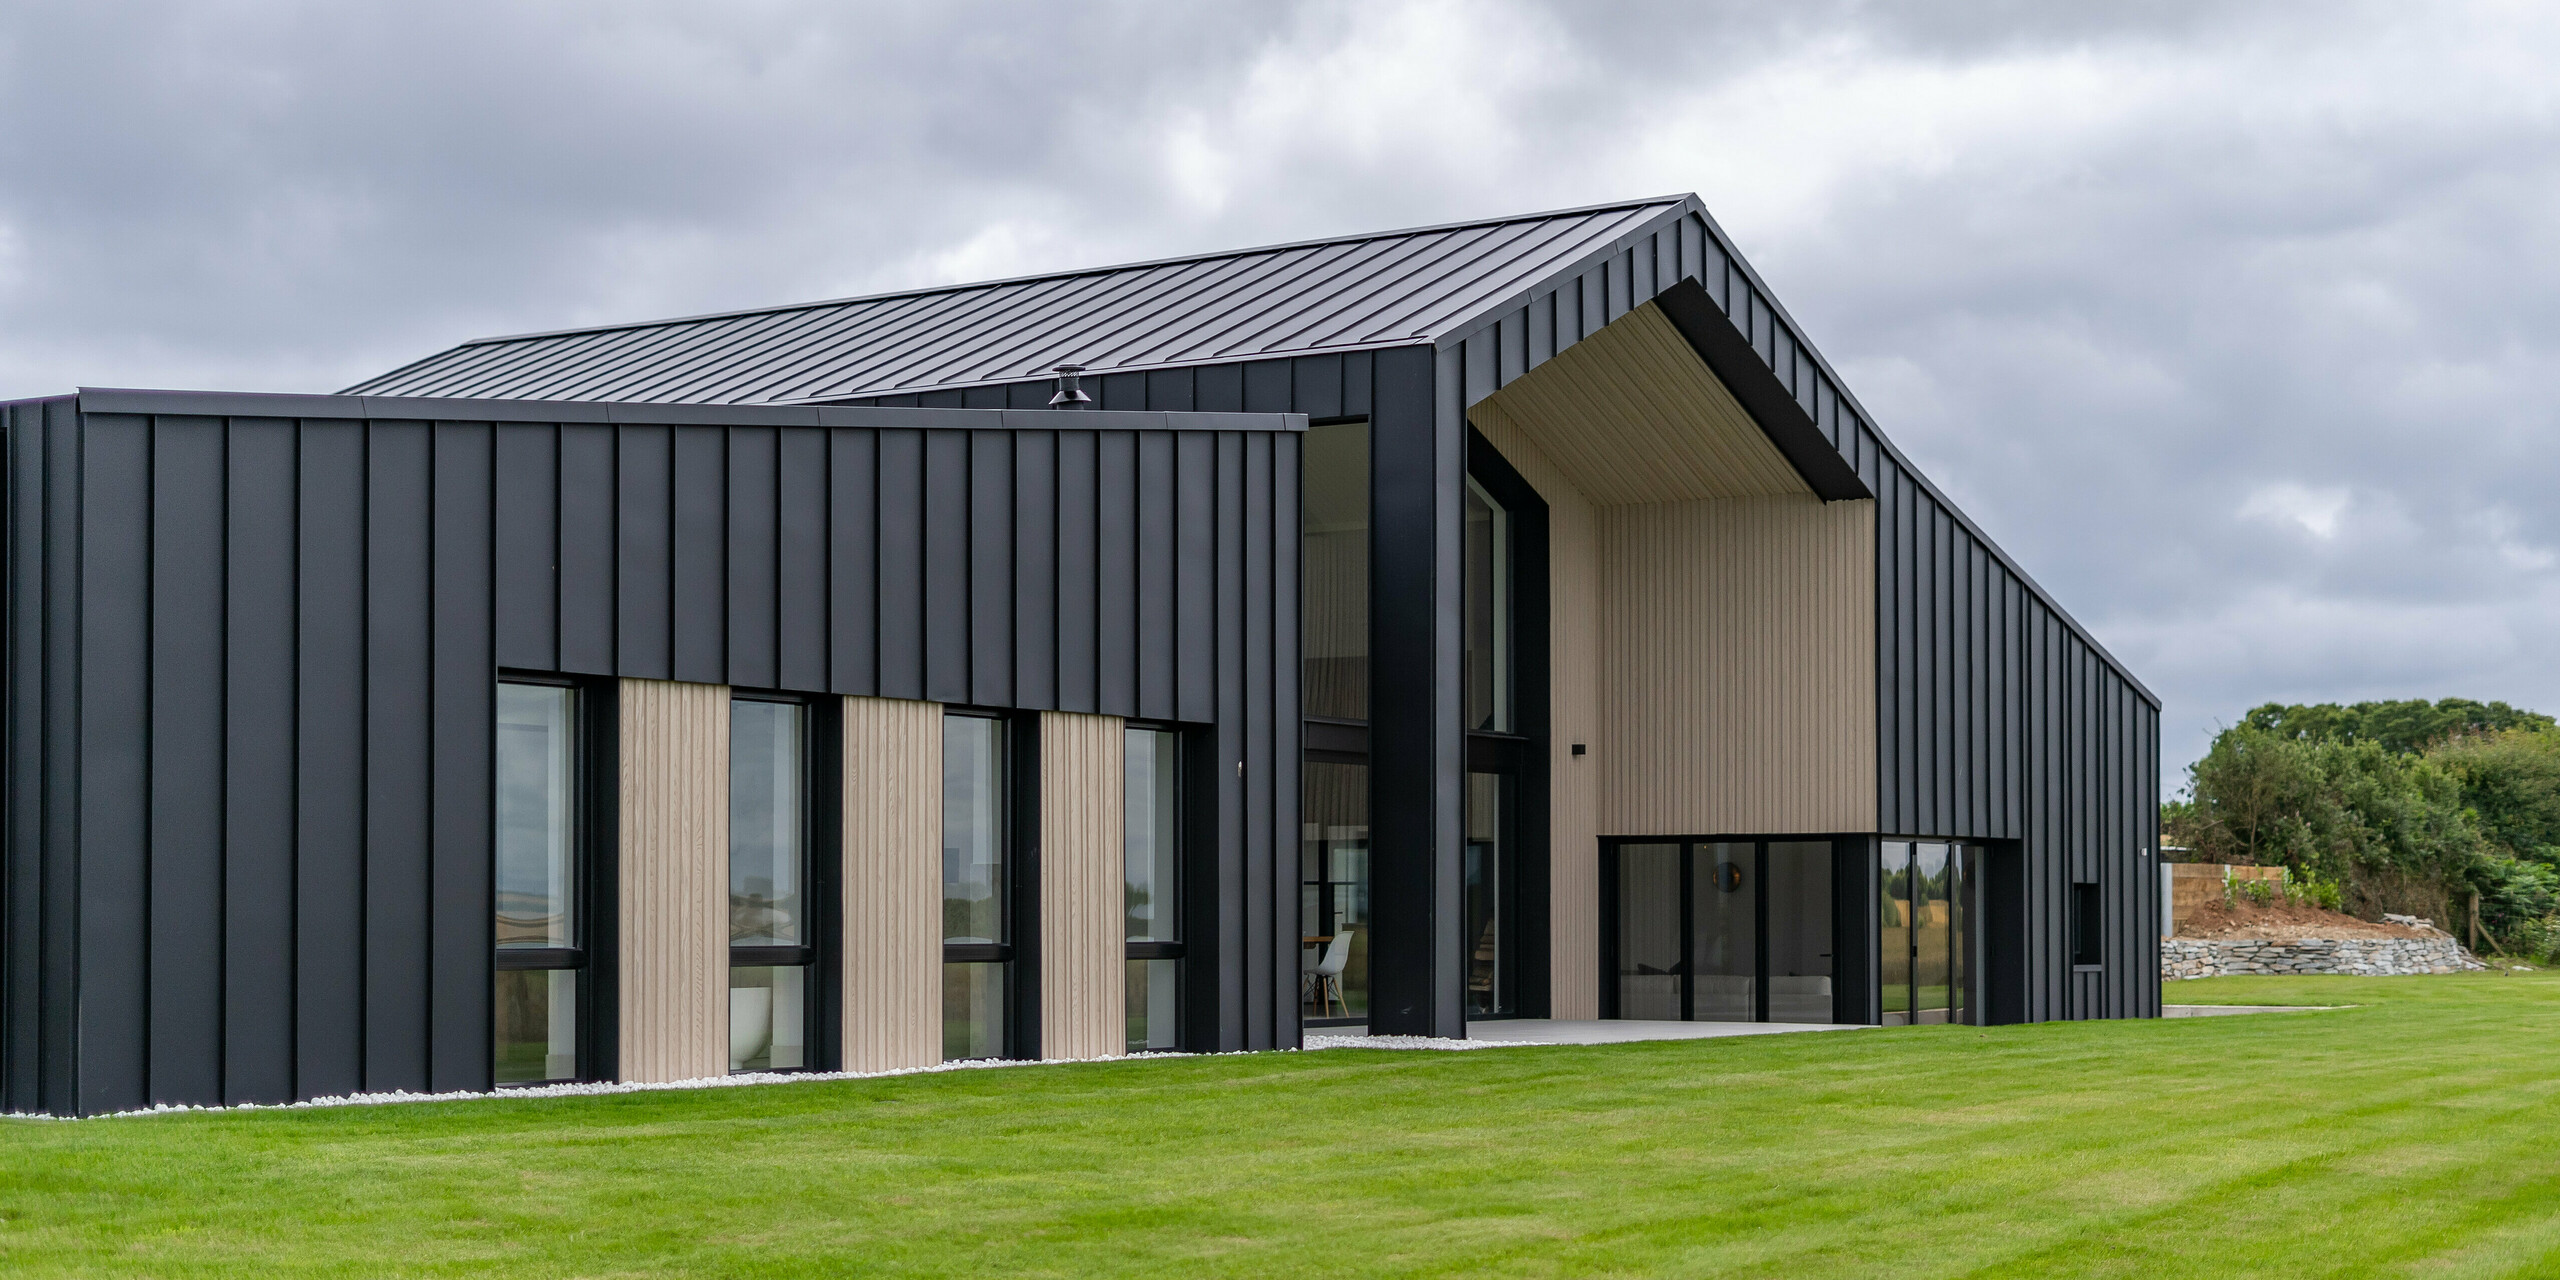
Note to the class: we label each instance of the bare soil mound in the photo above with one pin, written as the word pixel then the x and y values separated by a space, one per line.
pixel 2285 922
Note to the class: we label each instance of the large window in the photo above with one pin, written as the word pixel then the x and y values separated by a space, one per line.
pixel 1720 930
pixel 1489 610
pixel 1151 860
pixel 1333 869
pixel 1334 532
pixel 770 943
pixel 977 883
pixel 541 958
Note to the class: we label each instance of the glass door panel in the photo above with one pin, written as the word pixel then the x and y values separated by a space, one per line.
pixel 1932 932
pixel 1334 881
pixel 1724 933
pixel 1650 974
pixel 1893 930
pixel 1488 894
pixel 1798 878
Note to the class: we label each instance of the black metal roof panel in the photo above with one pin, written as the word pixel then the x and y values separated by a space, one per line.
pixel 1395 288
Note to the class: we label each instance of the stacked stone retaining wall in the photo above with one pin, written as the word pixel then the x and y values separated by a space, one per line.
pixel 2363 957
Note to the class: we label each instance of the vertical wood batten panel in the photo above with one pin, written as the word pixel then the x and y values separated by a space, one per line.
pixel 892 884
pixel 258 802
pixel 463 738
pixel 329 748
pixel 398 711
pixel 1083 991
pixel 102 793
pixel 1737 669
pixel 187 523
pixel 674 881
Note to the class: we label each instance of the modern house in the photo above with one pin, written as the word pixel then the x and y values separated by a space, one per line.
pixel 1508 619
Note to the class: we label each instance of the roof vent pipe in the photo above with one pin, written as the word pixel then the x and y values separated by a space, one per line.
pixel 1069 396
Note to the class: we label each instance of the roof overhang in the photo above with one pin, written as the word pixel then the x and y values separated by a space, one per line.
pixel 1728 355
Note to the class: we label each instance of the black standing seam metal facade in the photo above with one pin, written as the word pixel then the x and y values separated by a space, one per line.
pixel 1999 718
pixel 253 642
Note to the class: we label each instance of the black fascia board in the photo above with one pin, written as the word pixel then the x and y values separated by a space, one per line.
pixel 1729 356
pixel 249 404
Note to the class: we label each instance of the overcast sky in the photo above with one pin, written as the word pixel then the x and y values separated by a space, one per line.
pixel 2236 323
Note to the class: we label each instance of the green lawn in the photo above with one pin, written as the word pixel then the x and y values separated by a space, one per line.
pixel 2416 1134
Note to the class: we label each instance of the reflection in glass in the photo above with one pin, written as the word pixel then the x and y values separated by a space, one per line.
pixel 537 816
pixel 1930 931
pixel 1333 863
pixel 1334 559
pixel 1799 886
pixel 1154 1004
pixel 1893 929
pixel 1150 833
pixel 537 1025
pixel 973 830
pixel 1724 939
pixel 972 1010
pixel 1649 960
pixel 766 825
pixel 767 1017
pixel 1488 611
pixel 1488 894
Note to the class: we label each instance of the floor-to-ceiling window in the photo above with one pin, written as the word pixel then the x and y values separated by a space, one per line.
pixel 1719 930
pixel 771 946
pixel 1151 860
pixel 1333 854
pixel 1926 891
pixel 540 931
pixel 977 884
pixel 1495 756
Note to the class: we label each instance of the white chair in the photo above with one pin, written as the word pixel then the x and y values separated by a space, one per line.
pixel 1326 977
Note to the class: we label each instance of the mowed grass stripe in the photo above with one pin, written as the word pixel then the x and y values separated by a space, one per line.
pixel 2410 1135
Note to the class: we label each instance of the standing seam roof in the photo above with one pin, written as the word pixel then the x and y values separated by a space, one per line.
pixel 1392 289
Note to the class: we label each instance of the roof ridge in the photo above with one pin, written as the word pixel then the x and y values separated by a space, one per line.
pixel 964 286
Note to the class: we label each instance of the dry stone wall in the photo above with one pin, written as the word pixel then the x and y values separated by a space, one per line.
pixel 2361 957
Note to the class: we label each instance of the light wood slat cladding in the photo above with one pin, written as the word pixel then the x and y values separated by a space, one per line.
pixel 1737 672
pixel 1631 414
pixel 1573 782
pixel 892 884
pixel 1083 887
pixel 673 874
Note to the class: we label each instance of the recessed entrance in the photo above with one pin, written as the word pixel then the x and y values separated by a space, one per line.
pixel 1718 930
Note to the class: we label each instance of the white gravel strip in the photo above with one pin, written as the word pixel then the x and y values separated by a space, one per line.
pixel 590 1089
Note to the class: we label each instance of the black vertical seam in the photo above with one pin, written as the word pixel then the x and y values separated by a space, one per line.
pixel 80 734
pixel 427 1013
pixel 222 794
pixel 364 753
pixel 293 836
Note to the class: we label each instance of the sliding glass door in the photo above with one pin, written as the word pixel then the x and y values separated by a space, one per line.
pixel 1720 930
pixel 1924 914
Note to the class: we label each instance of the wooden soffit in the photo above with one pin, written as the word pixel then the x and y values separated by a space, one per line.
pixel 1635 414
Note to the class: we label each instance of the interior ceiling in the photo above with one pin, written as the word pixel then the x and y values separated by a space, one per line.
pixel 1631 414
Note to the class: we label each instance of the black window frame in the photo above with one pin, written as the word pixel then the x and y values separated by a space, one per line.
pixel 1019 894
pixel 817 889
pixel 1179 948
pixel 2088 928
pixel 595 767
